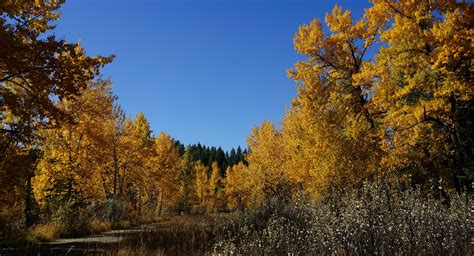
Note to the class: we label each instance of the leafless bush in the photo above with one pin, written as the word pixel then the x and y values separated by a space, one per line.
pixel 375 219
pixel 111 209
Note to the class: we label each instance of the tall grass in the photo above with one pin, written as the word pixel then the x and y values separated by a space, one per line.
pixel 182 235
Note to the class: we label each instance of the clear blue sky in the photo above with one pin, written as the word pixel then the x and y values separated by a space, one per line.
pixel 202 70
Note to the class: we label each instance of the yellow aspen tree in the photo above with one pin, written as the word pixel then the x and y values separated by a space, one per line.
pixel 423 82
pixel 186 182
pixel 266 161
pixel 214 187
pixel 239 188
pixel 232 188
pixel 140 171
pixel 330 129
pixel 115 151
pixel 201 183
pixel 165 170
pixel 131 159
pixel 68 166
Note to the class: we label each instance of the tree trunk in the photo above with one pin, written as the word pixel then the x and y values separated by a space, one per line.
pixel 160 205
pixel 28 198
pixel 115 171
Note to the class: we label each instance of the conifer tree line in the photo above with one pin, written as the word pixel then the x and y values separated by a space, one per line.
pixel 208 155
pixel 388 96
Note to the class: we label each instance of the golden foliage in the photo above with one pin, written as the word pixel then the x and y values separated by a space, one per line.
pixel 404 110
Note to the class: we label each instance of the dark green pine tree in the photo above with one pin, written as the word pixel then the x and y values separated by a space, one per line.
pixel 212 155
pixel 239 155
pixel 221 161
pixel 205 156
pixel 232 158
pixel 181 147
pixel 242 157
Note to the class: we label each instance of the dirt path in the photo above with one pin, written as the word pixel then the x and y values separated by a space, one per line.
pixel 97 244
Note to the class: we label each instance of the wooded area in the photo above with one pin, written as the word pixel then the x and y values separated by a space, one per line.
pixel 386 98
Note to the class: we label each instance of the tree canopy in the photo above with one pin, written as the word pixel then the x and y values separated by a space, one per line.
pixel 388 96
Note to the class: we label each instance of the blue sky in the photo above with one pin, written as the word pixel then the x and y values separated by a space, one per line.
pixel 204 70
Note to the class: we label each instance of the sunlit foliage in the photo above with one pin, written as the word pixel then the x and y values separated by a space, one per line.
pixel 388 96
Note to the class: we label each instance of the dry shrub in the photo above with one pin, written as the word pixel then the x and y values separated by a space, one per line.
pixel 98 226
pixel 121 224
pixel 75 219
pixel 44 232
pixel 372 220
pixel 111 209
